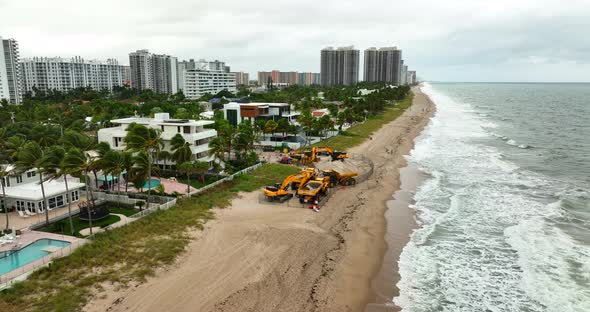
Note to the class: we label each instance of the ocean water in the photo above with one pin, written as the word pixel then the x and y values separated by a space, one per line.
pixel 505 213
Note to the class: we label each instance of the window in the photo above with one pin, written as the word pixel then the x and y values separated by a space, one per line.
pixel 52 202
pixel 75 196
pixel 162 127
pixel 20 205
pixel 19 179
pixel 60 200
pixel 178 129
pixel 31 174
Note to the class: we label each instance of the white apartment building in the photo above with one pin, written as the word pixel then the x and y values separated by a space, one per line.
pixel 64 75
pixel 10 77
pixel 23 192
pixel 197 83
pixel 193 131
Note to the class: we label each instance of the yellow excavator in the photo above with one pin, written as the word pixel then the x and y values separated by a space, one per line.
pixel 280 190
pixel 336 155
pixel 310 156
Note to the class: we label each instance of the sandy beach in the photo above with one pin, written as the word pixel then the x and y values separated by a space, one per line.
pixel 261 257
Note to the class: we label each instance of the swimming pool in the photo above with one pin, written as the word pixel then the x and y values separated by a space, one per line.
pixel 28 254
pixel 155 182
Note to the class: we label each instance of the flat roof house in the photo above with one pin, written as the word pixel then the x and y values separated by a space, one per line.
pixel 193 131
pixel 23 192
pixel 235 113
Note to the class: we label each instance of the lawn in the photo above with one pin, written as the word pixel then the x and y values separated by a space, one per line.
pixel 357 134
pixel 126 211
pixel 63 226
pixel 130 253
pixel 196 183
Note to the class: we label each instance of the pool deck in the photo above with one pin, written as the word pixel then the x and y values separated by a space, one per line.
pixel 170 186
pixel 28 237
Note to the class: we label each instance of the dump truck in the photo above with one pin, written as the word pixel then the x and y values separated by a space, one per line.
pixel 336 178
pixel 313 190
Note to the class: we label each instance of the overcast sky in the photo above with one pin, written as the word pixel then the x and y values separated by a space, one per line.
pixel 453 40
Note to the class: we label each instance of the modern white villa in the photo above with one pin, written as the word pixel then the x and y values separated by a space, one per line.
pixel 193 131
pixel 235 113
pixel 23 192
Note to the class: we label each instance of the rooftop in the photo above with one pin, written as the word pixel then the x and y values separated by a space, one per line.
pixel 32 191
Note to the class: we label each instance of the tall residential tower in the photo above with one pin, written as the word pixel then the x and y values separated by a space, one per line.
pixel 339 66
pixel 153 72
pixel 383 65
pixel 10 77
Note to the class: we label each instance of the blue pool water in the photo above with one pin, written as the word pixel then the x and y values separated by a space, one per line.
pixel 28 254
pixel 155 182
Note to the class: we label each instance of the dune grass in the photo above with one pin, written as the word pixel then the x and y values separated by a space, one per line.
pixel 357 134
pixel 131 253
pixel 63 226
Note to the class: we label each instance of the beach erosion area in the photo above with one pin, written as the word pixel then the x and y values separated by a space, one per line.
pixel 257 256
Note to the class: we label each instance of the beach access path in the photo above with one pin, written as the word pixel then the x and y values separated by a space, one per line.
pixel 257 256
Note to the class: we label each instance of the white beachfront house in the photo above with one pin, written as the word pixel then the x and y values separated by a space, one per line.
pixel 193 131
pixel 23 192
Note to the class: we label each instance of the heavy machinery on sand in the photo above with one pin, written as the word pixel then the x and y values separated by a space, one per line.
pixel 280 191
pixel 311 156
pixel 317 188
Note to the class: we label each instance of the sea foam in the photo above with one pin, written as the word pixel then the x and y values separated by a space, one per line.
pixel 488 239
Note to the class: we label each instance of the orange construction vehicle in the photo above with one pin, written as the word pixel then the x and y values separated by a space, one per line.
pixel 280 190
pixel 335 178
pixel 336 155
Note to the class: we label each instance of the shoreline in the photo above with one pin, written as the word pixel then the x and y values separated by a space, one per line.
pixel 400 221
pixel 261 257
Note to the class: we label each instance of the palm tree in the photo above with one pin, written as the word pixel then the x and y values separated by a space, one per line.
pixel 4 173
pixel 113 163
pixel 165 156
pixel 31 156
pixel 200 168
pixel 141 138
pixel 181 150
pixel 79 163
pixel 217 148
pixel 101 149
pixel 187 168
pixel 14 145
pixel 141 172
pixel 127 163
pixel 56 167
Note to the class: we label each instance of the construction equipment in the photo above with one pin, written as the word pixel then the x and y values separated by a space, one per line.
pixel 336 155
pixel 285 160
pixel 335 178
pixel 280 190
pixel 313 190
pixel 310 156
pixel 305 157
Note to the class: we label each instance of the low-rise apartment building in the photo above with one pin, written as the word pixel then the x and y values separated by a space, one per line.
pixel 193 131
pixel 197 83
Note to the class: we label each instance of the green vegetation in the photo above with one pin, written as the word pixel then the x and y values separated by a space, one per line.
pixel 357 134
pixel 130 253
pixel 197 183
pixel 63 226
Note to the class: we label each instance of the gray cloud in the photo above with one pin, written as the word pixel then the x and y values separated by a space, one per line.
pixel 503 40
